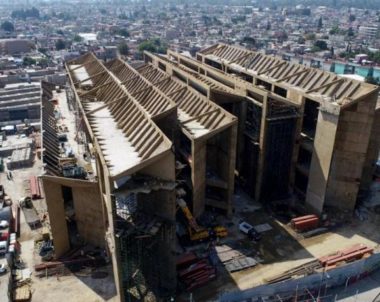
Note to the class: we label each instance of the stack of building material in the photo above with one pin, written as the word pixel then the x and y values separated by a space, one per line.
pixel 35 189
pixel 194 272
pixel 21 158
pixel 234 260
pixel 22 293
pixel 352 253
pixel 305 223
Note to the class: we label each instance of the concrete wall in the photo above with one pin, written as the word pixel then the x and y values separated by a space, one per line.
pixel 88 212
pixel 372 152
pixel 321 160
pixel 351 146
pixel 56 212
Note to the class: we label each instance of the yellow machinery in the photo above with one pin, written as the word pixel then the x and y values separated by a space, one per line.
pixel 196 232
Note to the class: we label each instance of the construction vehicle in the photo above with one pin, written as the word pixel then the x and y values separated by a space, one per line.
pixel 197 232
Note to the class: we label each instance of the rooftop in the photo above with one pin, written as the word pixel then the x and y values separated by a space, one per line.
pixel 198 116
pixel 115 118
pixel 311 81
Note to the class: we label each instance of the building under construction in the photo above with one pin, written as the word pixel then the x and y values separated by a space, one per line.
pixel 177 130
pixel 302 131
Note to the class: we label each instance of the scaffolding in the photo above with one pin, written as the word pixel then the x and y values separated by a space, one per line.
pixel 140 257
pixel 281 122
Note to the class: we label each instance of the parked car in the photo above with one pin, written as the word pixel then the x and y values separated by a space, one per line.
pixel 3 247
pixel 4 224
pixel 249 230
pixel 3 269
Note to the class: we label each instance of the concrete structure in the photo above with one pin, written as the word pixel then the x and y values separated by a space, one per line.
pixel 20 158
pixel 302 130
pixel 171 125
pixel 368 32
pixel 19 102
pixel 15 46
pixel 131 121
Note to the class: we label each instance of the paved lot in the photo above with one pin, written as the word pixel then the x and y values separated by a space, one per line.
pixel 73 288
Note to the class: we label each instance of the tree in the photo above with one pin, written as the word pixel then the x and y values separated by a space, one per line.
pixel 350 32
pixel 322 45
pixel 27 61
pixel 320 24
pixel 372 80
pixel 351 18
pixel 43 62
pixel 77 38
pixel 7 26
pixel 249 40
pixel 60 44
pixel 122 32
pixel 123 49
pixel 153 45
pixel 310 36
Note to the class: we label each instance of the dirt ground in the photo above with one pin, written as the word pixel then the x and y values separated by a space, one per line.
pixel 83 286
pixel 280 249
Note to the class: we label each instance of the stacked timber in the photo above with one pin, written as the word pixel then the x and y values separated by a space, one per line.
pixel 194 272
pixel 305 223
pixel 35 189
pixel 355 252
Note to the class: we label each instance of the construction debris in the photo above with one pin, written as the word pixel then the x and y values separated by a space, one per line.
pixel 233 260
pixel 194 272
pixel 355 252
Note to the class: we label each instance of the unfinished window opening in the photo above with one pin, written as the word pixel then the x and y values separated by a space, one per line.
pixel 310 118
pixel 280 91
pixel 253 121
pixel 18 114
pixel 189 65
pixel 280 110
pixel 220 80
pixel 148 59
pixel 198 88
pixel 214 64
pixel 217 175
pixel 72 228
pixel 266 85
pixel 249 165
pixel 304 158
pixel 184 149
pixel 301 181
pixel 202 71
pixel 278 156
pixel 241 75
pixel 180 76
pixel 199 58
pixel 257 97
pixel 161 66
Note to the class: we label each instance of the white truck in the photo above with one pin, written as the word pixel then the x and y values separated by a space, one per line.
pixel 249 230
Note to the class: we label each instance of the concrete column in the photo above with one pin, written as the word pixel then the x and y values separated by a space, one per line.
pixel 231 167
pixel 261 160
pixel 241 126
pixel 321 160
pixel 297 142
pixel 198 176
